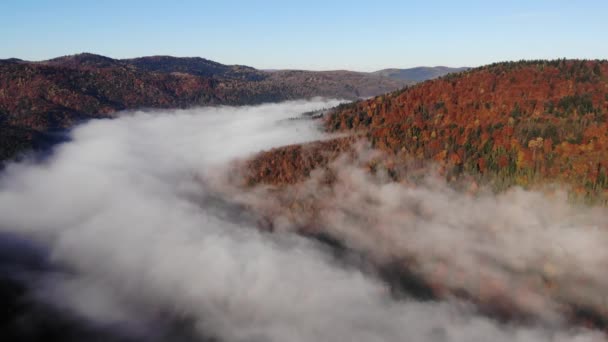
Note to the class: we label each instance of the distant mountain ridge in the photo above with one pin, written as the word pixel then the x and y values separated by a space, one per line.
pixel 82 60
pixel 36 97
pixel 196 66
pixel 418 74
pixel 204 67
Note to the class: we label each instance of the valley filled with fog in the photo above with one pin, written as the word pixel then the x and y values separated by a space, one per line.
pixel 133 229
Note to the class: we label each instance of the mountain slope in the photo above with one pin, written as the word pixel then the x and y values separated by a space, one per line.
pixel 60 92
pixel 41 97
pixel 195 66
pixel 533 124
pixel 519 123
pixel 418 74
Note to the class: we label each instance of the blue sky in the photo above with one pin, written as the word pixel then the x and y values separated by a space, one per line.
pixel 320 35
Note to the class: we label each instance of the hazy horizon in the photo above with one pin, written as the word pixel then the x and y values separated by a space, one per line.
pixel 245 64
pixel 312 36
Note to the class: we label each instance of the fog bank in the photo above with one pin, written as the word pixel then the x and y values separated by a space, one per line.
pixel 143 243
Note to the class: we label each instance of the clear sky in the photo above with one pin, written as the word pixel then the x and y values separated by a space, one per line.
pixel 311 34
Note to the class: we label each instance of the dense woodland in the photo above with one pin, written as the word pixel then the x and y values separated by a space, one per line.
pixel 527 123
pixel 56 94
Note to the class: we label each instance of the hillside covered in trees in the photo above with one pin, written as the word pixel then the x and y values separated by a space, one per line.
pixel 36 97
pixel 517 123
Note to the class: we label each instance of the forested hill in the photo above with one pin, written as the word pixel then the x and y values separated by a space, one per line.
pixel 36 97
pixel 513 123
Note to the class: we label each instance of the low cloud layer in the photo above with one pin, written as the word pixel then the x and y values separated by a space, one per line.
pixel 522 251
pixel 143 244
